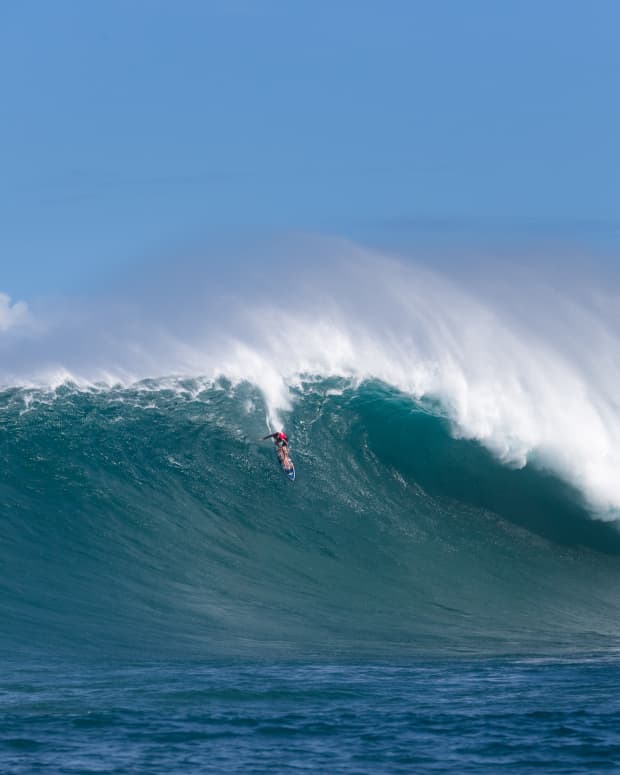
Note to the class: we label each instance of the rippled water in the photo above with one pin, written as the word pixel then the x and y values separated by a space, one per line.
pixel 447 716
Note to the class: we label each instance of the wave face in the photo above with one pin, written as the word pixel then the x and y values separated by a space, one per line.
pixel 149 519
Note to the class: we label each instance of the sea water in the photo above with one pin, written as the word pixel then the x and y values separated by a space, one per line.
pixel 460 715
pixel 438 590
pixel 172 603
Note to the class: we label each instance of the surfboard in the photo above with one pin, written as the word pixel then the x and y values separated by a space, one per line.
pixel 290 472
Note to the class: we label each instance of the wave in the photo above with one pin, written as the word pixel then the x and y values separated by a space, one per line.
pixel 524 363
pixel 149 518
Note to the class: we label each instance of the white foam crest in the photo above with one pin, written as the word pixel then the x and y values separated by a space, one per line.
pixel 532 376
pixel 525 391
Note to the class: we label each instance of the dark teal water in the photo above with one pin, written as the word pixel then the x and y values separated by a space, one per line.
pixel 435 716
pixel 170 602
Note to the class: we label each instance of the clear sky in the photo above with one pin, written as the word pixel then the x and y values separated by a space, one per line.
pixel 130 127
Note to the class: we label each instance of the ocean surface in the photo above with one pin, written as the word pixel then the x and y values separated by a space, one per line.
pixel 424 716
pixel 172 603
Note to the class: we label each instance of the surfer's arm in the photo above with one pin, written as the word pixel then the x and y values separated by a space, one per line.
pixel 271 436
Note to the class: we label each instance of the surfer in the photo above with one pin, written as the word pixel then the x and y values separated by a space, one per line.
pixel 280 439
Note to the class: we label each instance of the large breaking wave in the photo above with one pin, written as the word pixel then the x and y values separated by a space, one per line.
pixel 456 448
pixel 150 518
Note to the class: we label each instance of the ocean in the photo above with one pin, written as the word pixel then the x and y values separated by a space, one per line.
pixel 438 591
pixel 459 715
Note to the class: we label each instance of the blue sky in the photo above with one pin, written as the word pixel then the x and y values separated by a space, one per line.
pixel 131 128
